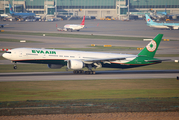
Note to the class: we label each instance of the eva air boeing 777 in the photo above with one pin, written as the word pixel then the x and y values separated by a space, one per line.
pixel 76 60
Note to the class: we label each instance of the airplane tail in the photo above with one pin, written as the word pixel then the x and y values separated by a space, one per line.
pixel 148 19
pixel 151 48
pixel 10 9
pixel 83 21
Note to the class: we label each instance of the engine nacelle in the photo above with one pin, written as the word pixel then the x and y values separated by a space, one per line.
pixel 75 64
pixel 54 66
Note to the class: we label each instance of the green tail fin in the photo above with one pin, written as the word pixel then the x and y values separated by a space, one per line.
pixel 151 48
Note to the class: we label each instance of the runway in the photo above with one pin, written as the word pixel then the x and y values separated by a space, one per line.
pixel 110 28
pixel 100 75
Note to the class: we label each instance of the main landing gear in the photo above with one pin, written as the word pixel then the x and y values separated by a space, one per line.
pixel 83 72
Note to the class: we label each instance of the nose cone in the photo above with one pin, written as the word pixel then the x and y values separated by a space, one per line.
pixel 5 55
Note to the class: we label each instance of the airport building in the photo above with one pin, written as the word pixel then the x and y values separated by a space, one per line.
pixel 117 9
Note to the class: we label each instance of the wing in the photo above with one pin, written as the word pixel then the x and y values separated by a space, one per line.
pixel 103 60
pixel 169 26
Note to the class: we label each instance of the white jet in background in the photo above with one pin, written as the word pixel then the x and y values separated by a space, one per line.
pixel 71 27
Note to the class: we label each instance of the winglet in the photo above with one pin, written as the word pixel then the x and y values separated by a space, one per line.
pixel 83 21
pixel 151 48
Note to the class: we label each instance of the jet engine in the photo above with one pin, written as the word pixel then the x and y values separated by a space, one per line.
pixel 54 66
pixel 75 64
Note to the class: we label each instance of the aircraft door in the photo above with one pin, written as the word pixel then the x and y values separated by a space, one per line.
pixel 78 56
pixel 21 54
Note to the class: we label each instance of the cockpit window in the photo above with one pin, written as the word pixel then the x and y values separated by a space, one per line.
pixel 8 52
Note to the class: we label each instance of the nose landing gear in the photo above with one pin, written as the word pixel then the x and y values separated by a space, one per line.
pixel 15 66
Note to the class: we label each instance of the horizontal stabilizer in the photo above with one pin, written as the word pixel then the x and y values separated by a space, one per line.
pixel 157 60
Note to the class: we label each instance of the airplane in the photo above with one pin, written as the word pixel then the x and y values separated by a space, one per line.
pixel 20 15
pixel 77 60
pixel 170 26
pixel 71 27
pixel 161 15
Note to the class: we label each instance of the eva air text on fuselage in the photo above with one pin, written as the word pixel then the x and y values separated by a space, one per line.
pixel 44 51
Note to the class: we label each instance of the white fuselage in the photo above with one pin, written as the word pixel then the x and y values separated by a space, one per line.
pixel 74 26
pixel 34 54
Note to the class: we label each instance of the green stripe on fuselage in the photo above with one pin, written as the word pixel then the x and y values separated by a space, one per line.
pixel 137 62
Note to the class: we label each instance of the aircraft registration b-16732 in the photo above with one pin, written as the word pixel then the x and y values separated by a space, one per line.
pixel 170 26
pixel 71 27
pixel 76 60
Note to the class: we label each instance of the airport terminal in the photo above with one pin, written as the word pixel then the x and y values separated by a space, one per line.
pixel 95 9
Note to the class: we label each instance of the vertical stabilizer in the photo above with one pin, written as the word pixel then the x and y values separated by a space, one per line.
pixel 83 21
pixel 151 48
pixel 148 19
pixel 10 9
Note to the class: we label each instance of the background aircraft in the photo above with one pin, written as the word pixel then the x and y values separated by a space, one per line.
pixel 20 15
pixel 76 60
pixel 162 15
pixel 170 26
pixel 71 27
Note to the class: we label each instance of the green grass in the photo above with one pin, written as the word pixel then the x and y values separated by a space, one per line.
pixel 92 89
pixel 75 35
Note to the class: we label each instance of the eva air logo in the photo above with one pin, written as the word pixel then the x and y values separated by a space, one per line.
pixel 148 20
pixel 151 46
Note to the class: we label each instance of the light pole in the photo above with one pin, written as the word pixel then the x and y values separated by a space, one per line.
pixel 4 7
pixel 55 8
pixel 128 9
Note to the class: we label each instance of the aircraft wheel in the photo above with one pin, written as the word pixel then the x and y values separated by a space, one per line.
pixel 15 67
pixel 89 72
pixel 78 71
pixel 81 71
pixel 75 71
